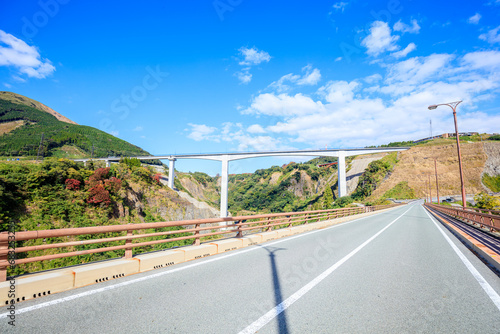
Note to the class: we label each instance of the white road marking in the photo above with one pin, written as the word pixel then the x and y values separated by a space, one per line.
pixel 495 298
pixel 274 312
pixel 174 270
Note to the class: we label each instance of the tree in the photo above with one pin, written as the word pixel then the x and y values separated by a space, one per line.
pixel 327 198
pixel 485 201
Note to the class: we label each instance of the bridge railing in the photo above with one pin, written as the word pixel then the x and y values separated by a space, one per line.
pixel 474 216
pixel 132 233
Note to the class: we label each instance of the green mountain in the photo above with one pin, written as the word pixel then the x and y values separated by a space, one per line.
pixel 23 121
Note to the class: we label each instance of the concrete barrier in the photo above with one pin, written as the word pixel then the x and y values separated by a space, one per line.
pixel 227 245
pixel 49 282
pixel 283 233
pixel 105 271
pixel 251 240
pixel 160 259
pixel 268 236
pixel 37 285
pixel 198 252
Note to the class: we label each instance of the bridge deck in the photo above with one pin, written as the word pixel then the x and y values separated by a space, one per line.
pixel 397 271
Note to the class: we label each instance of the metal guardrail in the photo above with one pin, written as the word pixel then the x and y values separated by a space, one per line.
pixel 474 216
pixel 239 226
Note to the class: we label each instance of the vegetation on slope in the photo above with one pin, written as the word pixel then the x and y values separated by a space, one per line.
pixel 25 140
pixel 492 182
pixel 63 194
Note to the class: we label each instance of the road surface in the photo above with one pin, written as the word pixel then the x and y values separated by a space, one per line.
pixel 394 272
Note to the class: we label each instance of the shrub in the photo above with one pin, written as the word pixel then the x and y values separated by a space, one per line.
pixel 98 194
pixel 485 201
pixel 72 184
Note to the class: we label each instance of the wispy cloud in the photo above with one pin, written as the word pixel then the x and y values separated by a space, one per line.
pixel 403 53
pixel 340 6
pixel 414 28
pixel 24 58
pixel 250 57
pixel 380 39
pixel 474 19
pixel 492 36
pixel 311 76
pixel 253 56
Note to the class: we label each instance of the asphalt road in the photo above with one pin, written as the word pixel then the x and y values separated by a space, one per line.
pixel 394 272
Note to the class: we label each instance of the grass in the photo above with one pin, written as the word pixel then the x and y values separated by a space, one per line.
pixel 492 182
pixel 400 191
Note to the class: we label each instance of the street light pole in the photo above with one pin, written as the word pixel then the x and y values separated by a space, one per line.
pixel 437 186
pixel 453 106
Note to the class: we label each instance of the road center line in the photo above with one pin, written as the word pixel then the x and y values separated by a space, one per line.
pixel 495 298
pixel 173 270
pixel 274 312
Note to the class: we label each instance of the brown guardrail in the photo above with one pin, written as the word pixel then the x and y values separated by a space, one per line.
pixel 241 225
pixel 475 216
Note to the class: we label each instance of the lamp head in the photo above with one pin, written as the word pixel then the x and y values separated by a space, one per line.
pixel 433 107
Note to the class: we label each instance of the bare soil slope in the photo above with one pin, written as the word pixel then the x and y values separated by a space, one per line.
pixel 417 163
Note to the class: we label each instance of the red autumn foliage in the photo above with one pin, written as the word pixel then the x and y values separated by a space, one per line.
pixel 99 195
pixel 113 184
pixel 99 175
pixel 72 184
pixel 157 177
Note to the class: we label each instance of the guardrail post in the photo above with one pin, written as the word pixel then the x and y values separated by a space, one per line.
pixel 269 228
pixel 128 242
pixel 4 258
pixel 307 218
pixel 240 232
pixel 197 235
pixel 289 221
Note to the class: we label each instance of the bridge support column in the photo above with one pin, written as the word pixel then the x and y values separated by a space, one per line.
pixel 171 172
pixel 342 175
pixel 223 186
pixel 108 163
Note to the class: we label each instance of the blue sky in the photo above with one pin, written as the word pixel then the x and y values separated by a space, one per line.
pixel 241 75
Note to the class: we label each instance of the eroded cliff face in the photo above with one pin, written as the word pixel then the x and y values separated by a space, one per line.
pixel 417 163
pixel 492 165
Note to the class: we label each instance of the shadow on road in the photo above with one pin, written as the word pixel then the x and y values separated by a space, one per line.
pixel 278 297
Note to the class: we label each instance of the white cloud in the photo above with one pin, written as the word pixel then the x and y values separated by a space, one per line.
pixel 474 19
pixel 403 53
pixel 26 59
pixel 256 128
pixel 338 92
pixel 403 27
pixel 338 59
pixel 244 75
pixel 282 105
pixel 418 69
pixel 200 132
pixel 138 128
pixel 340 6
pixel 482 60
pixel 7 85
pixel 312 76
pixel 379 40
pixel 375 109
pixel 491 36
pixel 253 56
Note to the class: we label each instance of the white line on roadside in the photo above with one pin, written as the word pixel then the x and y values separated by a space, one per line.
pixel 171 271
pixel 274 312
pixel 495 298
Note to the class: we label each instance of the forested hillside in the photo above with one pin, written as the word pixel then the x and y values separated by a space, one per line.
pixel 22 126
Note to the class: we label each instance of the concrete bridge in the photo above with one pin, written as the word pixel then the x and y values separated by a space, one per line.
pixel 225 158
pixel 396 270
